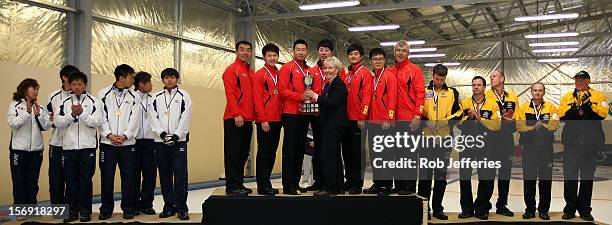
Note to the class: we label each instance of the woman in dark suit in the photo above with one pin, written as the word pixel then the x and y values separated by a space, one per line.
pixel 333 120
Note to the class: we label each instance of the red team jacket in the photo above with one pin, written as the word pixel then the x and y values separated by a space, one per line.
pixel 238 91
pixel 384 97
pixel 411 90
pixel 359 84
pixel 266 95
pixel 291 85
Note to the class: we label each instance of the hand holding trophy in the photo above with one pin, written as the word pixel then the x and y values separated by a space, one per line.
pixel 309 108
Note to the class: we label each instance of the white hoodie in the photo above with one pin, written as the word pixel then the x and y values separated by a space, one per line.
pixel 79 131
pixel 120 114
pixel 145 131
pixel 170 112
pixel 26 129
pixel 53 104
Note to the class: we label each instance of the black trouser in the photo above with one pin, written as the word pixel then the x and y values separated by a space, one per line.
pixel 172 165
pixel 79 168
pixel 405 178
pixel 236 147
pixel 351 155
pixel 147 171
pixel 381 177
pixel 537 165
pixel 317 173
pixel 438 174
pixel 465 180
pixel 505 154
pixel 57 182
pixel 294 145
pixel 331 159
pixel 486 178
pixel 267 144
pixel 125 156
pixel 579 161
pixel 502 150
pixel 25 169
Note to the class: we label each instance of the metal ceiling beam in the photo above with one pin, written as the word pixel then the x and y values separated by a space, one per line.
pixel 460 19
pixel 408 4
pixel 428 23
pixel 505 38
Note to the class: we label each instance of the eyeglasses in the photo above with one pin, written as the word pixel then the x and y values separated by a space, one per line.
pixel 381 59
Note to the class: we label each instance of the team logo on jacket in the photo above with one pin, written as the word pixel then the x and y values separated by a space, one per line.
pixel 555 116
pixel 546 117
pixel 429 94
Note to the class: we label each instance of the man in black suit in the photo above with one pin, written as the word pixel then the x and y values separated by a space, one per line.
pixel 333 121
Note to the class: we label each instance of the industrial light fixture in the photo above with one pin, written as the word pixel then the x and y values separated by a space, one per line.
pixel 328 5
pixel 548 44
pixel 546 17
pixel 423 49
pixel 445 64
pixel 558 60
pixel 374 28
pixel 552 35
pixel 411 42
pixel 427 55
pixel 551 50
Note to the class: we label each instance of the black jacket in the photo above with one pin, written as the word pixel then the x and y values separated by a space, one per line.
pixel 332 105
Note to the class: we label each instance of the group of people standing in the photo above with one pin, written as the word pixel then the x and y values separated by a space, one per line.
pixel 355 100
pixel 136 129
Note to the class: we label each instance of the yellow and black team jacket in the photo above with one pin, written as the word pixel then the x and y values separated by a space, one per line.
pixel 527 117
pixel 489 113
pixel 583 112
pixel 442 107
pixel 509 101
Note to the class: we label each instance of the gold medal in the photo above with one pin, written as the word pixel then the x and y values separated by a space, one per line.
pixel 435 108
pixel 117 113
pixel 275 92
pixel 167 113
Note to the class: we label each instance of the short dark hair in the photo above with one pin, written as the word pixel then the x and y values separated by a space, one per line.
pixel 22 88
pixel 141 77
pixel 169 72
pixel 540 83
pixel 269 48
pixel 355 47
pixel 377 51
pixel 440 70
pixel 243 43
pixel 484 82
pixel 123 70
pixel 67 70
pixel 300 41
pixel 78 76
pixel 326 43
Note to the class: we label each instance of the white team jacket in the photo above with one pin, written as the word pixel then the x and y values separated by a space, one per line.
pixel 145 131
pixel 26 129
pixel 120 114
pixel 170 112
pixel 53 104
pixel 79 132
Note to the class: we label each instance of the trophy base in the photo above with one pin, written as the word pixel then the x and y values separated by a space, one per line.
pixel 309 109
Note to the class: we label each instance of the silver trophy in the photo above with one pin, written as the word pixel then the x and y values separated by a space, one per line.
pixel 309 108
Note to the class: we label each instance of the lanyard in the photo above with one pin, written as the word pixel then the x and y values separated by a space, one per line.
pixel 322 74
pixel 351 77
pixel 166 101
pixel 377 80
pixel 275 79
pixel 502 100
pixel 146 98
pixel 538 112
pixel 436 96
pixel 301 70
pixel 478 104
pixel 120 102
